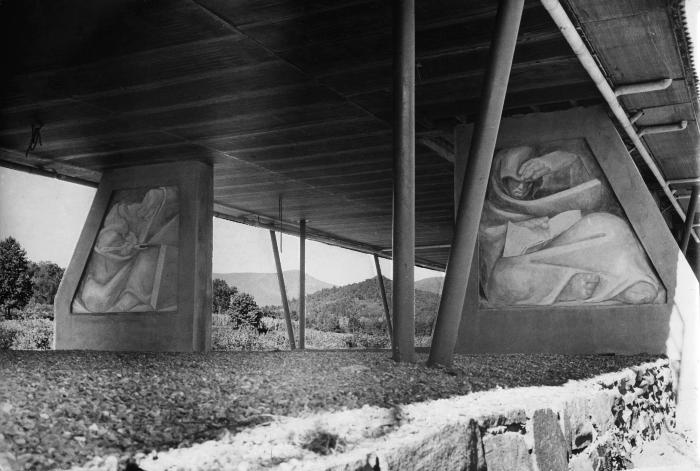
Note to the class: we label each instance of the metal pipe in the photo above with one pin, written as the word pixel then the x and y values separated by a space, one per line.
pixel 643 87
pixel 588 62
pixel 663 128
pixel 690 218
pixel 424 247
pixel 684 181
pixel 283 291
pixel 302 284
pixel 404 176
pixel 471 201
pixel 635 117
pixel 385 303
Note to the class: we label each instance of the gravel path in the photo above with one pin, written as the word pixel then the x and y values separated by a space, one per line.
pixel 59 409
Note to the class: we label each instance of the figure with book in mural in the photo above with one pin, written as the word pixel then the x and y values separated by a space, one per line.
pixel 133 264
pixel 553 233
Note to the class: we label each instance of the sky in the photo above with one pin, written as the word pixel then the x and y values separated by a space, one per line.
pixel 46 216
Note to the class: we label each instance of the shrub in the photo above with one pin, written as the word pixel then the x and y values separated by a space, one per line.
pixel 220 319
pixel 244 311
pixel 26 334
pixel 8 333
pixel 35 310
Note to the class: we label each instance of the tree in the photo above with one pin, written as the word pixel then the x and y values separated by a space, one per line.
pixel 15 279
pixel 222 295
pixel 245 311
pixel 45 276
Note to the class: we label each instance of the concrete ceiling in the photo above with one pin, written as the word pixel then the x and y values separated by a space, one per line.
pixel 291 101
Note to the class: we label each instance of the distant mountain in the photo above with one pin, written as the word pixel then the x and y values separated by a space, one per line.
pixel 265 288
pixel 358 307
pixel 432 285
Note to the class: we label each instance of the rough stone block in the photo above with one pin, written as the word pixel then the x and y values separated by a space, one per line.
pixel 586 417
pixel 453 447
pixel 506 452
pixel 550 445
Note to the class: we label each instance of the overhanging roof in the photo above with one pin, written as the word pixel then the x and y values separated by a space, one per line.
pixel 291 100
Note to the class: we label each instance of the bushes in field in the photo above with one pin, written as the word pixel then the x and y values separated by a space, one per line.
pixel 226 337
pixel 240 307
pixel 26 334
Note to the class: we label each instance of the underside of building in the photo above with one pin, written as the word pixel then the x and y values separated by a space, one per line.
pixel 543 154
pixel 291 102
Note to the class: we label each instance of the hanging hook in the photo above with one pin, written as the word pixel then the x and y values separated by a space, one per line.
pixel 35 138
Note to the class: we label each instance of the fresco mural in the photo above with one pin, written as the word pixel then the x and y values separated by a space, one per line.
pixel 553 233
pixel 133 264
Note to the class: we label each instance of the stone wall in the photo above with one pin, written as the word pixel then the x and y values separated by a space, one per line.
pixel 582 426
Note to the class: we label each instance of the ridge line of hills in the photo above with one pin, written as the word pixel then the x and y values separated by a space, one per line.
pixel 265 289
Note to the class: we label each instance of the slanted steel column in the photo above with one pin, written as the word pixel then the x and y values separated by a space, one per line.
pixel 283 291
pixel 382 292
pixel 476 176
pixel 404 210
pixel 689 218
pixel 302 284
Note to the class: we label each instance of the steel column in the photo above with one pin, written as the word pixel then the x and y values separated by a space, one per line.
pixel 302 284
pixel 382 292
pixel 283 291
pixel 404 206
pixel 473 191
pixel 690 218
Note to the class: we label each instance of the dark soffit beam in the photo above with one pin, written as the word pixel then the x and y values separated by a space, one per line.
pixel 47 173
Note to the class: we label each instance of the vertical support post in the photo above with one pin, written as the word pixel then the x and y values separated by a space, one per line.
pixel 404 221
pixel 690 218
pixel 283 291
pixel 473 191
pixel 302 284
pixel 382 292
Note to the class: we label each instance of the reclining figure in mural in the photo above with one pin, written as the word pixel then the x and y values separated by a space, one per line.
pixel 133 265
pixel 549 235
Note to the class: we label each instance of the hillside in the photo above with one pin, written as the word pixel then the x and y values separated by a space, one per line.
pixel 358 307
pixel 432 285
pixel 264 287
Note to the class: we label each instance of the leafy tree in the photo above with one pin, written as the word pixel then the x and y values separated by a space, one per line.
pixel 222 294
pixel 245 311
pixel 45 276
pixel 15 280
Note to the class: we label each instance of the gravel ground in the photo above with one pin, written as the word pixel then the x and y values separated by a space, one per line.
pixel 59 409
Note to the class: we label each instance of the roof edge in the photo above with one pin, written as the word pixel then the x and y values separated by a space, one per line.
pixel 681 30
